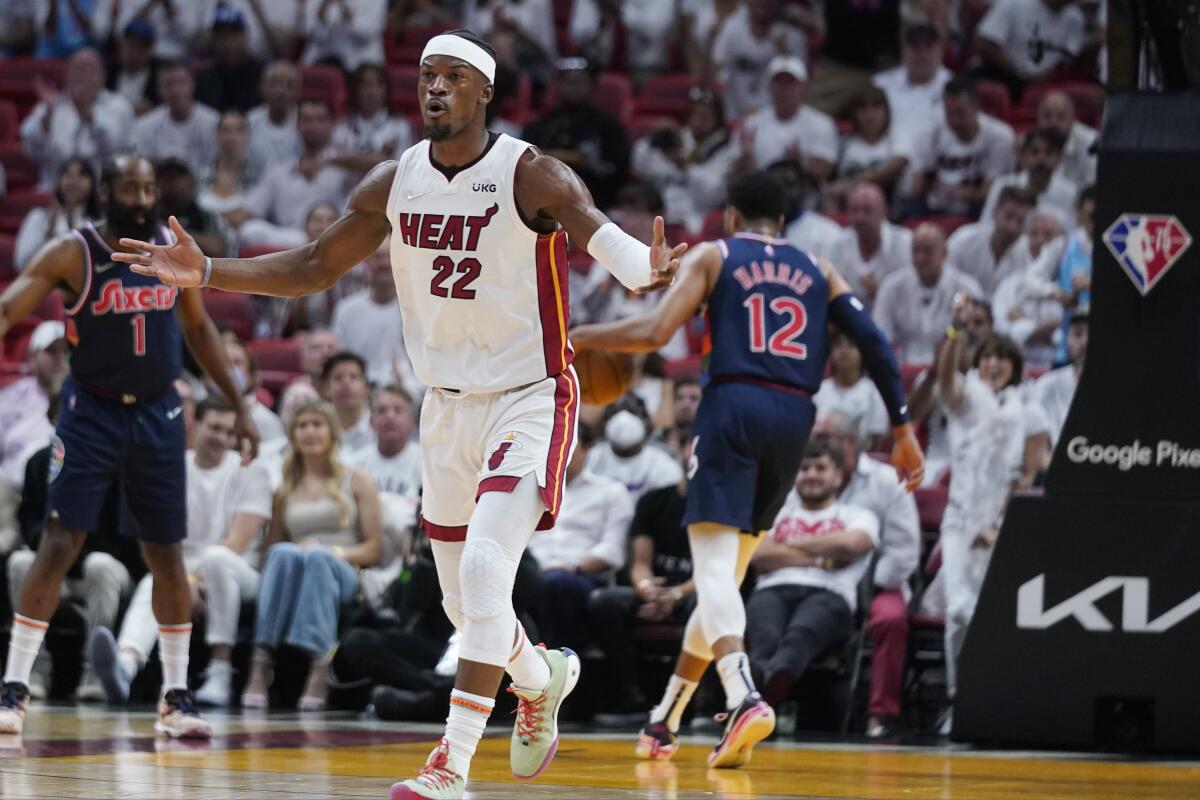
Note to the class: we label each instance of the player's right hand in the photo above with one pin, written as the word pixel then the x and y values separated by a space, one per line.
pixel 179 264
pixel 907 457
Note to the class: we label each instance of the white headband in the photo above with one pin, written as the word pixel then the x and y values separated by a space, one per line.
pixel 457 47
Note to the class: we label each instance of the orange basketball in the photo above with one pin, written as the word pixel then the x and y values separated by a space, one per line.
pixel 603 376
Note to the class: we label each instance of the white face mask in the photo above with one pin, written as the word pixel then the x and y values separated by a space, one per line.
pixel 625 429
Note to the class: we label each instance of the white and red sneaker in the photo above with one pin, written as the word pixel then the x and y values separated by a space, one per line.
pixel 435 781
pixel 13 699
pixel 656 742
pixel 745 726
pixel 179 718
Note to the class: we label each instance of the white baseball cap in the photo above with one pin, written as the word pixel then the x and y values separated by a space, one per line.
pixel 46 334
pixel 787 65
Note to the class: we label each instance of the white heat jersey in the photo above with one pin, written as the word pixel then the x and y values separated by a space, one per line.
pixel 484 298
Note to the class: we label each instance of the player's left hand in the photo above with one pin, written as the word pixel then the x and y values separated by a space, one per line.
pixel 664 259
pixel 247 436
pixel 907 457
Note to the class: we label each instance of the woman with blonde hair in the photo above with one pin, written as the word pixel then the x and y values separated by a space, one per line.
pixel 325 526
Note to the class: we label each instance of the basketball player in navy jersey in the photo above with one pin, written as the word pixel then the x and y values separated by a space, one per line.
pixel 120 420
pixel 768 305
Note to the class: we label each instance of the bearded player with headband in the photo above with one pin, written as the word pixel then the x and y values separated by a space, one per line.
pixel 479 225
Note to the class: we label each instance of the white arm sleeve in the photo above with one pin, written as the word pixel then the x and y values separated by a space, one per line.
pixel 624 256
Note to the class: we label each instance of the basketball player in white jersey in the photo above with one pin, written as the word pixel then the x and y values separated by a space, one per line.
pixel 479 225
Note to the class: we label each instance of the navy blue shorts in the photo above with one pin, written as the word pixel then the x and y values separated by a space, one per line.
pixel 749 441
pixel 98 442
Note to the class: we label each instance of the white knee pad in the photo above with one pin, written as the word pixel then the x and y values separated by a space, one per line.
pixel 452 605
pixel 715 562
pixel 694 642
pixel 486 578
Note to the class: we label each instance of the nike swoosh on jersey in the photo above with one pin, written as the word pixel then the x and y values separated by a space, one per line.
pixel 101 268
pixel 418 194
pixel 174 412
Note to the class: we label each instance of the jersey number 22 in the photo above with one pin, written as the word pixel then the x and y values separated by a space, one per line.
pixel 783 342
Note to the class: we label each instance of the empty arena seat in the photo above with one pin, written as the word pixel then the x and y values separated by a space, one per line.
pixel 1088 98
pixel 403 81
pixel 406 46
pixel 10 122
pixel 16 205
pixel 231 309
pixel 279 355
pixel 323 82
pixel 665 95
pixel 613 93
pixel 21 171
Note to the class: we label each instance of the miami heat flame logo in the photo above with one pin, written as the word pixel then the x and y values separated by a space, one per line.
pixel 508 442
pixel 1146 246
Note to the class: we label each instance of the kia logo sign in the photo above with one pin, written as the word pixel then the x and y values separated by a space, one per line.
pixel 1032 613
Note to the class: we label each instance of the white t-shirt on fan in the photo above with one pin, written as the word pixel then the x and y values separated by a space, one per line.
pixel 215 495
pixel 796 522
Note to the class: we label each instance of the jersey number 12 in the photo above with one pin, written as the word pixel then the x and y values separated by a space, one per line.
pixel 782 342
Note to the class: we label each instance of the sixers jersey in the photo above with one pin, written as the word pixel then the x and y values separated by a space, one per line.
pixel 767 314
pixel 123 332
pixel 483 297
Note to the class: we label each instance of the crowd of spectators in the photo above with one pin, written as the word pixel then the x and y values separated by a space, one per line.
pixel 940 153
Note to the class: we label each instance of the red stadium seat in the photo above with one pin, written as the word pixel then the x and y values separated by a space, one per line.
pixel 909 374
pixel 278 355
pixel 16 205
pixel 713 226
pixel 323 82
pixel 20 170
pixel 10 123
pixel 406 46
pixel 1088 99
pixel 17 77
pixel 519 107
pixel 993 99
pixel 931 506
pixel 232 309
pixel 613 92
pixel 403 80
pixel 8 246
pixel 665 95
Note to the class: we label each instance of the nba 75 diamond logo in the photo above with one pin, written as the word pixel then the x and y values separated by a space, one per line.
pixel 1146 246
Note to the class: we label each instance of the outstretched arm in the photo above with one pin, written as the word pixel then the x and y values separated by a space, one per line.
pixel 848 314
pixel 652 330
pixel 304 270
pixel 58 265
pixel 548 192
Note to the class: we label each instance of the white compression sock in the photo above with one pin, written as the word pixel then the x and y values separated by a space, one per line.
pixel 464 727
pixel 526 666
pixel 734 669
pixel 23 646
pixel 675 699
pixel 174 642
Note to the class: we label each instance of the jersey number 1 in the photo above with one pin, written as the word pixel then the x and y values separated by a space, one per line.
pixel 468 268
pixel 782 342
pixel 139 334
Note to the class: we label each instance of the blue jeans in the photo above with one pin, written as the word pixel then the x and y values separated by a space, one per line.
pixel 302 594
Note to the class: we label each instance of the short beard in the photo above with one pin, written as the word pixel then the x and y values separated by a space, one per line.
pixel 123 221
pixel 438 133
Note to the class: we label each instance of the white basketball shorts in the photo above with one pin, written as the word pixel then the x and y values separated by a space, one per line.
pixel 471 444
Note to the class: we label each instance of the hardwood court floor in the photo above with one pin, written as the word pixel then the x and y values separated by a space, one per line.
pixel 93 753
